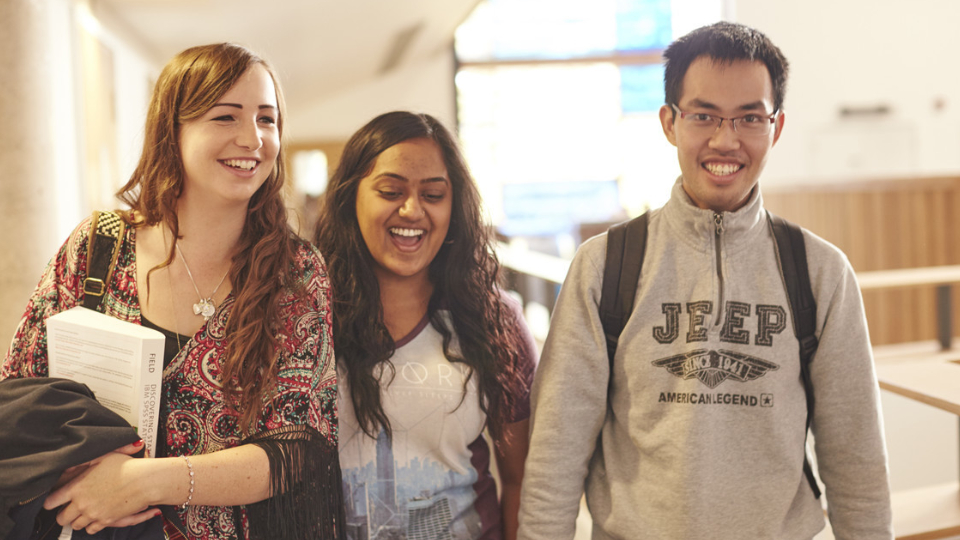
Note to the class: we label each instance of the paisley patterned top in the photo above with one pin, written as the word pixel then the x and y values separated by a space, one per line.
pixel 194 417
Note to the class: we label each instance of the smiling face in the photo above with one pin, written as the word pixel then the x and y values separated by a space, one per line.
pixel 403 209
pixel 230 150
pixel 721 168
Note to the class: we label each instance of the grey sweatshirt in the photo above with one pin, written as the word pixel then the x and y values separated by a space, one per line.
pixel 705 435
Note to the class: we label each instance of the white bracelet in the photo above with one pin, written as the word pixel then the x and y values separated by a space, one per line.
pixel 189 493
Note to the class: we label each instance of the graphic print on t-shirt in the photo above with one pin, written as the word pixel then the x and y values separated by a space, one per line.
pixel 419 482
pixel 415 499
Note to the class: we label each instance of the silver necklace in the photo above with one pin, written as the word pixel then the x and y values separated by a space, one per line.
pixel 205 307
pixel 176 321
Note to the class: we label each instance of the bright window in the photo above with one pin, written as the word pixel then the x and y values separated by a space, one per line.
pixel 558 107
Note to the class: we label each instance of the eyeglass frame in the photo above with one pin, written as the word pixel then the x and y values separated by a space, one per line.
pixel 733 121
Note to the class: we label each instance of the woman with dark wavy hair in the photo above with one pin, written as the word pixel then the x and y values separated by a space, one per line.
pixel 430 352
pixel 248 429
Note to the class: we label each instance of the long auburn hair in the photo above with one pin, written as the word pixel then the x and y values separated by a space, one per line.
pixel 189 85
pixel 464 274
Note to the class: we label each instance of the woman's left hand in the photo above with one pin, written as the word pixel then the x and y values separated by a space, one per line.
pixel 110 492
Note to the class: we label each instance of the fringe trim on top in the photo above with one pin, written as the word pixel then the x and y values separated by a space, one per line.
pixel 306 482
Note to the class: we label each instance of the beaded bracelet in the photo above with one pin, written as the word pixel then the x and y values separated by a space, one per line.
pixel 189 493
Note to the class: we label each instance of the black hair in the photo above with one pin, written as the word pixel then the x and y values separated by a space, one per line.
pixel 724 42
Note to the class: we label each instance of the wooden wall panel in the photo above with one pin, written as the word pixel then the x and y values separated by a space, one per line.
pixel 883 225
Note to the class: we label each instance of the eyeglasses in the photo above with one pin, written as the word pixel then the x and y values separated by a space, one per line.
pixel 708 124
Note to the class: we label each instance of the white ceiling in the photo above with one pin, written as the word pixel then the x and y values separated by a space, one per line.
pixel 319 47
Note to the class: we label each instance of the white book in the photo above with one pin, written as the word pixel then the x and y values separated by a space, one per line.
pixel 121 362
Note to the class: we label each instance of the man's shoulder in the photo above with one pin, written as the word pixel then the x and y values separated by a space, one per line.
pixel 826 263
pixel 821 252
pixel 592 251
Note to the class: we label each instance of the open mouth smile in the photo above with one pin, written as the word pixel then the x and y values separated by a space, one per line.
pixel 722 169
pixel 245 165
pixel 404 237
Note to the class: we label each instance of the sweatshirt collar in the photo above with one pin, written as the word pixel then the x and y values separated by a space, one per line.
pixel 699 225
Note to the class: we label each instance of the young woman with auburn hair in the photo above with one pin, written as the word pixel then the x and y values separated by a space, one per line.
pixel 429 349
pixel 248 426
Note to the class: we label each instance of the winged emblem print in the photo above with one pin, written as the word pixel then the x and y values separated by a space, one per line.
pixel 714 367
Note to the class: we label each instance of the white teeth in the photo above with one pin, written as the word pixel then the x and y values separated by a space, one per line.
pixel 722 169
pixel 406 232
pixel 245 164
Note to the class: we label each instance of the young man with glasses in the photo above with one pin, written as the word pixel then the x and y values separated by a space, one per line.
pixel 699 429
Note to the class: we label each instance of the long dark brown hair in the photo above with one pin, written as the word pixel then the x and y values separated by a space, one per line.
pixel 464 275
pixel 189 86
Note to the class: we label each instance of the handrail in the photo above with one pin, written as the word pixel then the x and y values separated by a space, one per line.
pixel 909 277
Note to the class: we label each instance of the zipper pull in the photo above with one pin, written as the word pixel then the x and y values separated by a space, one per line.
pixel 718 222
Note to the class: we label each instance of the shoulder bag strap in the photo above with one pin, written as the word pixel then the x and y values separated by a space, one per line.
pixel 796 277
pixel 626 243
pixel 106 233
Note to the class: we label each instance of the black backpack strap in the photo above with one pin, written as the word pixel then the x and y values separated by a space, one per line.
pixel 626 243
pixel 103 248
pixel 793 264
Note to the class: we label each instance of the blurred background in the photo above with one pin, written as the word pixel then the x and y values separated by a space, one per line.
pixel 555 103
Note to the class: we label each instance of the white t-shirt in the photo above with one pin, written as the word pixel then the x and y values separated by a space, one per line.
pixel 432 478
